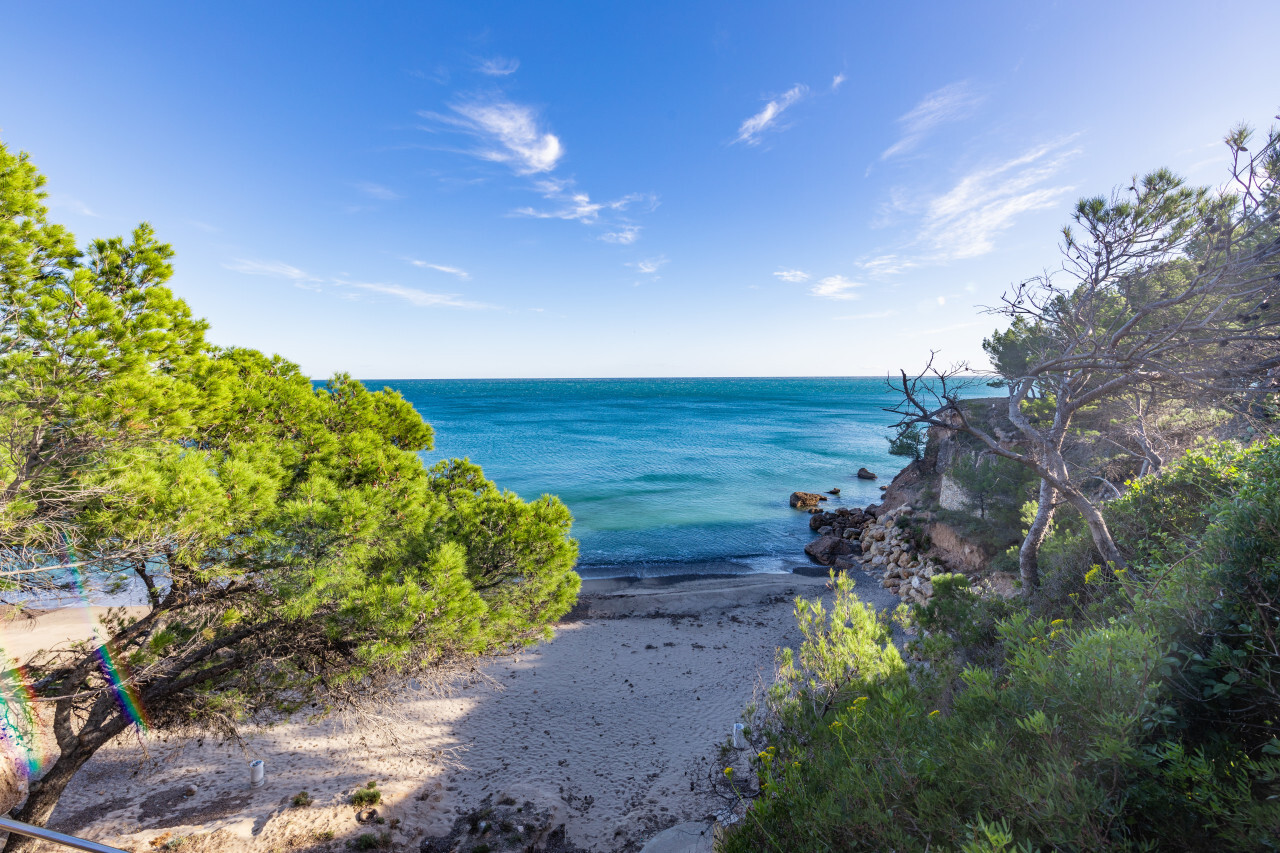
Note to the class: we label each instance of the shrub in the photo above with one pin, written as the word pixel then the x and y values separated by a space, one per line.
pixel 1148 717
pixel 366 796
pixel 301 800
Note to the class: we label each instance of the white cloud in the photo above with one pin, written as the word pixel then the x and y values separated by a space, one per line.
pixel 378 191
pixel 624 236
pixel 950 103
pixel 835 287
pixel 837 80
pixel 498 66
pixel 886 265
pixel 460 273
pixel 751 129
pixel 649 266
pixel 963 222
pixel 421 298
pixel 793 276
pixel 272 269
pixel 511 131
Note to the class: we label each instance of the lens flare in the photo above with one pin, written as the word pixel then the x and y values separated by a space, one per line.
pixel 113 668
pixel 19 732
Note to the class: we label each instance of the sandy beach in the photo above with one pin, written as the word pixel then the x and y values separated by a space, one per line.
pixel 607 729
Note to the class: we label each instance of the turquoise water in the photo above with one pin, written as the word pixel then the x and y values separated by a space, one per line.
pixel 669 476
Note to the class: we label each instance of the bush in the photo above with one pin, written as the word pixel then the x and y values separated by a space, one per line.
pixel 369 795
pixel 1147 718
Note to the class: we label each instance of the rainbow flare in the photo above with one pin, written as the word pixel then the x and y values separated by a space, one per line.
pixel 114 670
pixel 19 732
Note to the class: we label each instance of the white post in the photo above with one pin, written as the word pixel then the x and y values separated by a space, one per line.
pixel 739 741
pixel 257 774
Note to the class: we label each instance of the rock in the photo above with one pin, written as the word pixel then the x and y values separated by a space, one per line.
pixel 834 491
pixel 824 530
pixel 13 783
pixel 801 500
pixel 190 791
pixel 884 488
pixel 850 533
pixel 825 549
pixel 366 816
pixel 864 474
pixel 845 563
pixel 820 519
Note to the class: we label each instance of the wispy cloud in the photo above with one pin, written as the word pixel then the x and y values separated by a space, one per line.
pixel 753 127
pixel 964 221
pixel 835 287
pixel 837 80
pixel 498 66
pixel 624 236
pixel 574 205
pixel 511 134
pixel 421 298
pixel 460 273
pixel 271 269
pixel 378 191
pixel 793 276
pixel 648 266
pixel 886 265
pixel 950 103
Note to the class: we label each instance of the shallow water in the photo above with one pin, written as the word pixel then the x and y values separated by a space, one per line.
pixel 670 476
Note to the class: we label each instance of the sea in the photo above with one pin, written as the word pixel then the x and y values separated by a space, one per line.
pixel 670 476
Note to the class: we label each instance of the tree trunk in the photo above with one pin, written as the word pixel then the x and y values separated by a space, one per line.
pixel 44 795
pixel 1028 554
pixel 1098 529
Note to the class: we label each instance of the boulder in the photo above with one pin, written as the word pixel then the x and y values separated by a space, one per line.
pixel 801 500
pixel 820 519
pixel 864 474
pixel 825 549
pixel 834 491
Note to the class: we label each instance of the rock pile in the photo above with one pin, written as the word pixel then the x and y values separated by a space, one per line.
pixel 837 543
pixel 888 551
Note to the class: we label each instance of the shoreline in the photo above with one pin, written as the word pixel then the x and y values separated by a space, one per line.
pixel 607 729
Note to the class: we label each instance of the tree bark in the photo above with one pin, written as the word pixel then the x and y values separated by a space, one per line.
pixel 1102 539
pixel 1029 553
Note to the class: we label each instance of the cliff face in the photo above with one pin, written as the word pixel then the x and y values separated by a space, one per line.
pixel 930 486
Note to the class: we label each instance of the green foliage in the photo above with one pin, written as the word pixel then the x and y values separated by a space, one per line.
pixel 301 800
pixel 372 841
pixel 366 796
pixel 998 487
pixel 910 442
pixel 292 546
pixel 1144 719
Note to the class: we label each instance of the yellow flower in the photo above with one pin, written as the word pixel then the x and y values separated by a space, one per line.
pixel 728 773
pixel 934 713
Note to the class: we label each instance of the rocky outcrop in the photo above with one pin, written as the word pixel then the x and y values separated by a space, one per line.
pixel 864 474
pixel 888 551
pixel 804 500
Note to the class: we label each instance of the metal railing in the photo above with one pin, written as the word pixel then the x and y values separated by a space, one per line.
pixel 10 825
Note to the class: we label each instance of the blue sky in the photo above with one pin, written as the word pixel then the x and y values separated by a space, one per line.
pixel 407 190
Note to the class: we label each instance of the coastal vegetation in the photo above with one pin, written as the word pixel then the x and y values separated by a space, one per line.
pixel 1130 700
pixel 288 547
pixel 1159 324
